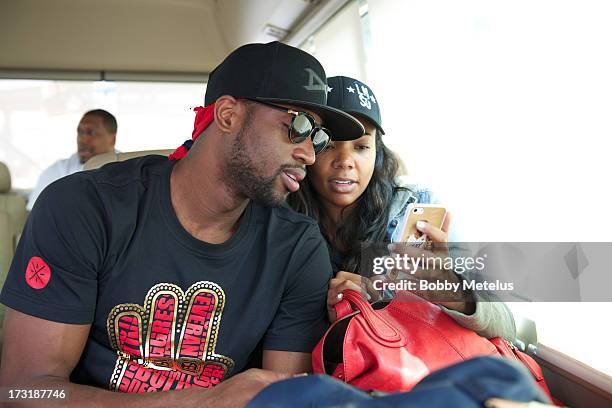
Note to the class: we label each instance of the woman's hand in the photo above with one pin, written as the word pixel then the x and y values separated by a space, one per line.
pixel 451 299
pixel 501 403
pixel 341 282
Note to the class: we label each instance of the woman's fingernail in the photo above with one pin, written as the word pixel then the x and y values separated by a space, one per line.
pixel 491 403
pixel 421 225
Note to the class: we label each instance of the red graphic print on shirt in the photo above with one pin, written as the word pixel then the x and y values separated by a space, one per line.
pixel 170 342
pixel 38 273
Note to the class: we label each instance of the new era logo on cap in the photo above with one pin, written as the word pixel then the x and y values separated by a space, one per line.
pixel 354 97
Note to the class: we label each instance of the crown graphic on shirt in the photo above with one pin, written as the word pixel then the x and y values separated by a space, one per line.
pixel 169 342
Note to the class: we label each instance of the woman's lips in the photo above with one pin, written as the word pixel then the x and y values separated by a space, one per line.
pixel 342 185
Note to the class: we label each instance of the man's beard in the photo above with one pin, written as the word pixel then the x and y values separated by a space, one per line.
pixel 243 176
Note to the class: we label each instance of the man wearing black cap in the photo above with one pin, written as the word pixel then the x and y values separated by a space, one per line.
pixel 172 274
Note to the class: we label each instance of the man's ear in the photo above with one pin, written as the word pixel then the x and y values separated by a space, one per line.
pixel 229 114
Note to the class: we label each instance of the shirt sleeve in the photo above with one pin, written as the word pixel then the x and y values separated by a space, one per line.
pixel 53 275
pixel 491 319
pixel 301 319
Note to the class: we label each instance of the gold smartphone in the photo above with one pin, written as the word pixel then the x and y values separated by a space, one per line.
pixel 434 214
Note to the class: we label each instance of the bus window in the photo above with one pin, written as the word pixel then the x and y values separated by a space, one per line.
pixel 40 117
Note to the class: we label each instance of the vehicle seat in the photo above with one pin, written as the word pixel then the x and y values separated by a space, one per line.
pixel 13 216
pixel 102 159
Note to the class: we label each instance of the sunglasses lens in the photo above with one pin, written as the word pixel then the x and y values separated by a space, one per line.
pixel 320 140
pixel 301 128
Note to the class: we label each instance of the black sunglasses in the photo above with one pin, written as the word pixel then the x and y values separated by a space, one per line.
pixel 303 126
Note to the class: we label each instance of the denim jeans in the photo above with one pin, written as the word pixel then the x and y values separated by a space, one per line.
pixel 465 385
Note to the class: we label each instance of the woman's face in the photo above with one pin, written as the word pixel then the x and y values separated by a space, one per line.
pixel 343 170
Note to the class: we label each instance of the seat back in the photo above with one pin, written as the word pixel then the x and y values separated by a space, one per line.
pixel 102 159
pixel 13 216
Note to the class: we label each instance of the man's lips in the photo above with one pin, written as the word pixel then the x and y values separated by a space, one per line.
pixel 292 177
pixel 85 154
pixel 295 173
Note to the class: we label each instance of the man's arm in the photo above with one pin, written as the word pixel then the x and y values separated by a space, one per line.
pixel 301 318
pixel 289 362
pixel 41 354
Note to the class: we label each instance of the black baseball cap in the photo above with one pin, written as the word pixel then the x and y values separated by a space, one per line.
pixel 278 73
pixel 354 97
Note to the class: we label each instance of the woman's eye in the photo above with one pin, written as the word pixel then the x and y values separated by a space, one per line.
pixel 362 147
pixel 329 146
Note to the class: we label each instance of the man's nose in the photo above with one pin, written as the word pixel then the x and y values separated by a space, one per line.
pixel 304 152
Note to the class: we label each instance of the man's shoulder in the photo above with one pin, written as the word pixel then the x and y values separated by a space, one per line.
pixel 120 174
pixel 73 158
pixel 61 168
pixel 95 184
pixel 284 217
pixel 289 215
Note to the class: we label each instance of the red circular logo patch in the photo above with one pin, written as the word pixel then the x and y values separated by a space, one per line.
pixel 37 273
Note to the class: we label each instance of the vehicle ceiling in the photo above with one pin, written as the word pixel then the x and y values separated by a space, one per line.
pixel 137 36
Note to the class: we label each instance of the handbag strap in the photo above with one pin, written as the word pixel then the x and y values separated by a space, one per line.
pixel 343 309
pixel 379 326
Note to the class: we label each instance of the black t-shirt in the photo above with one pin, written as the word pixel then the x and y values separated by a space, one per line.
pixel 167 310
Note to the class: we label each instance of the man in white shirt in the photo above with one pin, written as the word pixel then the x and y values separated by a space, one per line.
pixel 96 134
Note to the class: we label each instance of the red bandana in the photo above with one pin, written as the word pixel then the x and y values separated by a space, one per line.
pixel 204 117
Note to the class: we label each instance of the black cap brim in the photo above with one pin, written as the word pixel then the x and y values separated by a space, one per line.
pixel 364 117
pixel 342 125
pixel 359 101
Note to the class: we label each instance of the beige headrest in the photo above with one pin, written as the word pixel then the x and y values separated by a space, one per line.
pixel 102 159
pixel 5 179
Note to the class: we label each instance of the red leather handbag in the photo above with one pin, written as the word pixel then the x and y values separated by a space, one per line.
pixel 508 350
pixel 393 348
